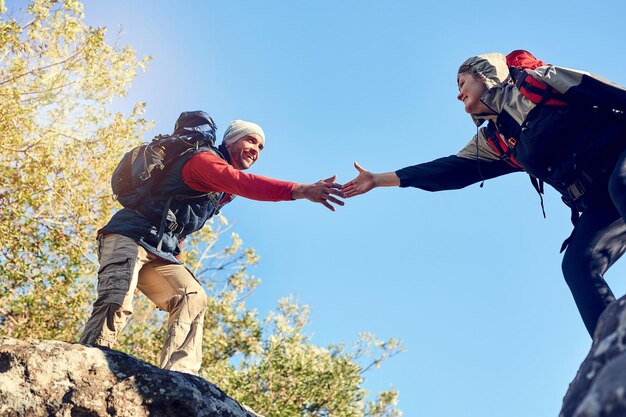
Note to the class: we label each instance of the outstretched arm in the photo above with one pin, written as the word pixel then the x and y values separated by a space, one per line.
pixel 206 172
pixel 447 173
pixel 320 192
pixel 366 181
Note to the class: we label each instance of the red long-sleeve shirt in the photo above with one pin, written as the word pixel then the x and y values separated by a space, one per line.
pixel 207 172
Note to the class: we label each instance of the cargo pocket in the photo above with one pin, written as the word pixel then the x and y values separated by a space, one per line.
pixel 114 280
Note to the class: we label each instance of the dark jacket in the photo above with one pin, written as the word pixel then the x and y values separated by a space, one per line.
pixel 162 234
pixel 174 211
pixel 560 145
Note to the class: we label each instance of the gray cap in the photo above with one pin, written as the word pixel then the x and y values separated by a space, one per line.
pixel 237 129
pixel 491 68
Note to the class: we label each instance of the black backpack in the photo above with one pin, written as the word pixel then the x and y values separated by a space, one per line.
pixel 142 167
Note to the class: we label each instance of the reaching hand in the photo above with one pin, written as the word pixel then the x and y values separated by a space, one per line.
pixel 320 192
pixel 361 184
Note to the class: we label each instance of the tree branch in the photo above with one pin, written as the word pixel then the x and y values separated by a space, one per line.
pixel 33 71
pixel 379 360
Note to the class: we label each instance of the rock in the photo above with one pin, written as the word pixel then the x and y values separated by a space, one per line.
pixel 53 378
pixel 599 388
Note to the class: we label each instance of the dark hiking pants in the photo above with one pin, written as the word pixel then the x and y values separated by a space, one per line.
pixel 598 241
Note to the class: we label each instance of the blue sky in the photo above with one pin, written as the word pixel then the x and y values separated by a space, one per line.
pixel 470 280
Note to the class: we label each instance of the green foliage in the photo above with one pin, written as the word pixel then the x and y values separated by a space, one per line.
pixel 58 146
pixel 59 143
pixel 271 364
pixel 292 377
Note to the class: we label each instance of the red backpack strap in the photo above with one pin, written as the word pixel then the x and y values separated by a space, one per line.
pixel 539 92
pixel 503 147
pixel 519 61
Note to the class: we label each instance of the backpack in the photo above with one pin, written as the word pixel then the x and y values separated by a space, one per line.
pixel 538 92
pixel 559 86
pixel 545 84
pixel 141 168
pixel 520 63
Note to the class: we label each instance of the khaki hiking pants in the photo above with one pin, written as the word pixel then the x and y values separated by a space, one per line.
pixel 124 266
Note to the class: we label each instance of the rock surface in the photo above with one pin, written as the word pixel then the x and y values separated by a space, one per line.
pixel 52 378
pixel 599 388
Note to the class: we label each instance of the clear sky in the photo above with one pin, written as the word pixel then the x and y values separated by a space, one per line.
pixel 470 280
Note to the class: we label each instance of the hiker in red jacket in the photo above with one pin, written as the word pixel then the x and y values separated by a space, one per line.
pixel 139 246
pixel 564 127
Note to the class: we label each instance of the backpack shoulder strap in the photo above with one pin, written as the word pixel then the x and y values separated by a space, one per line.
pixel 520 62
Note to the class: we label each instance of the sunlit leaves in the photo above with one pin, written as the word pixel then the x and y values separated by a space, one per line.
pixel 292 376
pixel 58 146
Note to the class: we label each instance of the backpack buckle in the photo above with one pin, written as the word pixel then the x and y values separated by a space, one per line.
pixel 511 142
pixel 578 188
pixel 170 221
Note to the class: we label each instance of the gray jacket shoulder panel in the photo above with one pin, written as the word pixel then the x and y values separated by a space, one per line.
pixel 478 148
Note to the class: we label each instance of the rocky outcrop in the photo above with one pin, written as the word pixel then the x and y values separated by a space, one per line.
pixel 52 378
pixel 599 388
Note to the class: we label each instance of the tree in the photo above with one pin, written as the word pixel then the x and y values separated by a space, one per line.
pixel 58 147
pixel 59 144
pixel 269 364
pixel 279 371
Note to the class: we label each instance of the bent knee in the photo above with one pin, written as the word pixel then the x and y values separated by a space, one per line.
pixel 199 298
pixel 581 268
pixel 575 264
pixel 192 299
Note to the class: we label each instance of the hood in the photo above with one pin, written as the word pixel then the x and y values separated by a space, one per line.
pixel 491 69
pixel 191 122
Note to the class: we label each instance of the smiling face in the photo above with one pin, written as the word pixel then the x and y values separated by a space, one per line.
pixel 245 151
pixel 471 90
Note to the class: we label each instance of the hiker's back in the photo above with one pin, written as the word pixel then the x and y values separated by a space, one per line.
pixel 159 208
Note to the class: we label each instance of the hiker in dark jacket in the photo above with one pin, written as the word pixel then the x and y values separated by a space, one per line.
pixel 564 127
pixel 135 251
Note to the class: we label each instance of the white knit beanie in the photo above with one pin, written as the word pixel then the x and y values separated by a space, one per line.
pixel 237 129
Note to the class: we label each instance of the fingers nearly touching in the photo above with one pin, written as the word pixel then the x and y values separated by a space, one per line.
pixel 335 200
pixel 336 191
